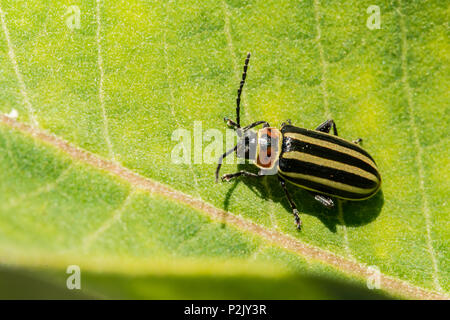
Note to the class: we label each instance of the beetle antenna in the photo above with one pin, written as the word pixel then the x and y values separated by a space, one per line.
pixel 241 85
pixel 219 163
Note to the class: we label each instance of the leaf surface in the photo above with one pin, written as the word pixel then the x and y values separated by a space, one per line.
pixel 135 72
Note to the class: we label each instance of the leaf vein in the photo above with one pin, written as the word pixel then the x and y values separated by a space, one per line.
pixel 88 240
pixel 172 99
pixel 12 58
pixel 323 84
pixel 101 91
pixel 418 146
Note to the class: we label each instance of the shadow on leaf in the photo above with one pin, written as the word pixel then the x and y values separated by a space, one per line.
pixel 355 213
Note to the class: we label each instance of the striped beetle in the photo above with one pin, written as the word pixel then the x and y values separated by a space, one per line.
pixel 324 164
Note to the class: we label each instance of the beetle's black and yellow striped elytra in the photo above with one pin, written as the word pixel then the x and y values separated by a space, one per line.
pixel 323 163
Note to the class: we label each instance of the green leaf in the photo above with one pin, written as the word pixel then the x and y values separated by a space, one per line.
pixel 57 212
pixel 133 73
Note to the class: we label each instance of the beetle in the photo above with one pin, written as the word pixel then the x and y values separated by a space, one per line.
pixel 316 160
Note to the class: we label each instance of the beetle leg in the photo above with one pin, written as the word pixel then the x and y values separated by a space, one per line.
pixel 239 130
pixel 229 176
pixel 219 163
pixel 326 127
pixel 326 201
pixel 287 122
pixel 254 124
pixel 298 222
